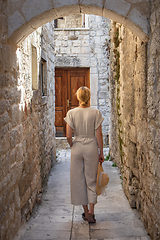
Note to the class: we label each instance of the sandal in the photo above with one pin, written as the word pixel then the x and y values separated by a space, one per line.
pixel 91 218
pixel 83 216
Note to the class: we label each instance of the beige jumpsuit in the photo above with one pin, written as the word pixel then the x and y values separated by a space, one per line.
pixel 84 154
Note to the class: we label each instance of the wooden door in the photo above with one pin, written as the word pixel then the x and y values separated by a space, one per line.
pixel 67 81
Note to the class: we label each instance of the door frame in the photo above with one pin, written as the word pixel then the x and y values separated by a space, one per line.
pixel 66 85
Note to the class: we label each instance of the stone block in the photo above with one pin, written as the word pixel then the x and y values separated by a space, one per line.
pixel 4 197
pixel 121 7
pixel 16 173
pixel 68 10
pixel 158 65
pixel 3 80
pixel 25 197
pixel 102 95
pixel 90 9
pixel 97 40
pixel 133 133
pixel 92 33
pixel 19 154
pixel 153 21
pixel 155 42
pixel 36 179
pixel 58 43
pixel 4 183
pixel 5 142
pixel 69 43
pixel 75 50
pixel 15 115
pixel 65 38
pixel 102 102
pixel 64 50
pixel 80 230
pixel 84 50
pixel 15 21
pixel 85 43
pixel 76 43
pixel 86 37
pixel 2 106
pixel 35 8
pixel 93 70
pixel 64 44
pixel 94 88
pixel 139 19
pixel 12 156
pixel 4 119
pixel 93 62
pixel 13 136
pixel 99 33
pixel 5 165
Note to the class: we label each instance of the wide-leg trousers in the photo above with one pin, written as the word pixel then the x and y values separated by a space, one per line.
pixel 83 172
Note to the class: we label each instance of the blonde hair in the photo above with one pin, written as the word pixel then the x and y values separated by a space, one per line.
pixel 83 95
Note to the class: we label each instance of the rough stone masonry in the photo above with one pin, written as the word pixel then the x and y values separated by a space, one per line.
pixel 27 146
pixel 135 112
pixel 135 117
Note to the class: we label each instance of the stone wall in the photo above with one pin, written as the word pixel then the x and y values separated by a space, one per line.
pixel 88 47
pixel 26 126
pixel 134 130
pixel 135 115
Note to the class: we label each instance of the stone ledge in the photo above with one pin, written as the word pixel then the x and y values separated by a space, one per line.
pixel 71 29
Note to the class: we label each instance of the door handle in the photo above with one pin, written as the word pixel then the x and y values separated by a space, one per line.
pixel 67 102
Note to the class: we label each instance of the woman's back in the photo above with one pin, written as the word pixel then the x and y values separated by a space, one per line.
pixel 84 121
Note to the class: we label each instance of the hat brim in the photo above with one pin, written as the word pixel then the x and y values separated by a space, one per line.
pixel 98 188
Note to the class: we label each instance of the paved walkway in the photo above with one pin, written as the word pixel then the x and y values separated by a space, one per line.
pixel 56 218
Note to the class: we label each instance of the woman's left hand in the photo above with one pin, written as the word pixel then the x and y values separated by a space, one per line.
pixel 101 158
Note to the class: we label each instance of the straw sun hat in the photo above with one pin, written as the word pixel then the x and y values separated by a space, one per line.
pixel 102 180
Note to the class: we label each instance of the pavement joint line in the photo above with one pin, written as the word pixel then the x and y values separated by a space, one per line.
pixel 89 231
pixel 72 222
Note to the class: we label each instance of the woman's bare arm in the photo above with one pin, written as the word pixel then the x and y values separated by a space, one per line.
pixel 99 137
pixel 69 134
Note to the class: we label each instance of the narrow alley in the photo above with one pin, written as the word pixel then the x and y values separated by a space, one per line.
pixel 56 218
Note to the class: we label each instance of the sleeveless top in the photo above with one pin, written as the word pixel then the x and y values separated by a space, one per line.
pixel 84 122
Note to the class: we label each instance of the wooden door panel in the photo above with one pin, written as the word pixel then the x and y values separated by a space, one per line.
pixel 76 82
pixel 67 82
pixel 59 105
pixel 58 91
pixel 58 118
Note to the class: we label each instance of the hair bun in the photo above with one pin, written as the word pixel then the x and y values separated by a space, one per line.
pixel 83 103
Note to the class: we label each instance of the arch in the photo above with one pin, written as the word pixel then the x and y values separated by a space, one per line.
pixel 24 16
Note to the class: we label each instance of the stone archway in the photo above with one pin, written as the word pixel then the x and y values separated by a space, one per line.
pixel 25 16
pixel 21 18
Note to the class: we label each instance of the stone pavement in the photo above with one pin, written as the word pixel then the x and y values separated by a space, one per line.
pixel 56 218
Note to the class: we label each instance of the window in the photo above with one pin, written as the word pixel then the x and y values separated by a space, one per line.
pixel 34 69
pixel 43 77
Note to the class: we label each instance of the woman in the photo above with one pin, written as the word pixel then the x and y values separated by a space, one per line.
pixel 85 121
